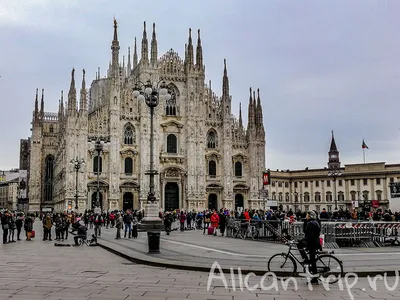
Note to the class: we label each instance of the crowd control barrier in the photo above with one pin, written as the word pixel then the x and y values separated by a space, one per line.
pixel 336 233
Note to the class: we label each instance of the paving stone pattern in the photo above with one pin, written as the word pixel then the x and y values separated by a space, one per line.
pixel 39 270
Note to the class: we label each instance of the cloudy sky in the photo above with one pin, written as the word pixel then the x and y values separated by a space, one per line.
pixel 320 65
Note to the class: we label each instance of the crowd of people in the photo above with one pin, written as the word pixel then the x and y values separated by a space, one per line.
pixel 127 222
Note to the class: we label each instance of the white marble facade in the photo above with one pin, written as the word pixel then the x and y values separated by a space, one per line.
pixel 204 155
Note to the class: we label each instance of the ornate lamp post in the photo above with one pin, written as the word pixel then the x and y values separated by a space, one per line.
pixel 77 164
pixel 152 94
pixel 334 173
pixel 98 146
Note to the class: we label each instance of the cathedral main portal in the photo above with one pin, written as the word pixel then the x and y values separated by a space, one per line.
pixel 94 198
pixel 128 201
pixel 171 196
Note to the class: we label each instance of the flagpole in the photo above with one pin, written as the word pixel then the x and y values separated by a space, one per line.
pixel 364 154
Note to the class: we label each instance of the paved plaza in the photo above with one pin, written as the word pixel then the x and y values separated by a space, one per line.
pixel 39 270
pixel 193 248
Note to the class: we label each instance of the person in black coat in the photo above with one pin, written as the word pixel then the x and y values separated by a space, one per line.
pixel 312 233
pixel 19 222
pixel 222 221
pixel 5 222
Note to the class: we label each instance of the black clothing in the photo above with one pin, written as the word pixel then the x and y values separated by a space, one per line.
pixel 312 233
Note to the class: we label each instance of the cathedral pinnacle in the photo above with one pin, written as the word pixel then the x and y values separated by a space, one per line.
pixel 83 101
pixel 225 82
pixel 129 62
pixel 145 46
pixel 36 113
pixel 199 52
pixel 189 55
pixel 154 54
pixel 115 51
pixel 135 57
pixel 42 106
pixel 240 116
pixel 72 95
pixel 115 30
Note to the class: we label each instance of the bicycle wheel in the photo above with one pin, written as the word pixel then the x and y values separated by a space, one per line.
pixel 282 265
pixel 243 234
pixel 330 268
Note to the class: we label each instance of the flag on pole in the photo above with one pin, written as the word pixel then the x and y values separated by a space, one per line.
pixel 364 145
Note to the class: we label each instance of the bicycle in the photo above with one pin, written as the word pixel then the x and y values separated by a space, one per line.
pixel 324 268
pixel 250 231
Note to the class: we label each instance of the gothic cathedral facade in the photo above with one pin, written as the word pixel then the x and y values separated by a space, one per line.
pixel 204 156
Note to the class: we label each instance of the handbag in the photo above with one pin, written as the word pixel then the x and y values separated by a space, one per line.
pixel 33 233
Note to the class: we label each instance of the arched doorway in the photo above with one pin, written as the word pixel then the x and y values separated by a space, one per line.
pixel 127 201
pixel 239 201
pixel 171 196
pixel 213 201
pixel 94 198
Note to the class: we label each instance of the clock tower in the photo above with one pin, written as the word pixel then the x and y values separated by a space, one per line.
pixel 333 162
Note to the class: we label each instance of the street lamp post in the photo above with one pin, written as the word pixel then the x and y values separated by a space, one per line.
pixel 334 173
pixel 98 146
pixel 77 164
pixel 152 94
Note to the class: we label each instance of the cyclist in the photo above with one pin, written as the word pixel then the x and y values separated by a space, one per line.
pixel 82 232
pixel 311 242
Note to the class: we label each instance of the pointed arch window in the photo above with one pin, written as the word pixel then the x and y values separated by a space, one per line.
pixel 170 104
pixel 129 135
pixel 48 178
pixel 172 143
pixel 212 140
pixel 97 164
pixel 238 169
pixel 212 168
pixel 128 166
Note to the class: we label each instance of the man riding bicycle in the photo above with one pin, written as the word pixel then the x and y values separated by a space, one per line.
pixel 81 232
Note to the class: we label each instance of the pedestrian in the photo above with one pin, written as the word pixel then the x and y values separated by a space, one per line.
pixel 135 227
pixel 222 221
pixel 5 224
pixel 19 222
pixel 207 220
pixel 11 231
pixel 128 223
pixel 167 222
pixel 215 221
pixel 182 218
pixel 98 222
pixel 47 225
pixel 28 226
pixel 119 225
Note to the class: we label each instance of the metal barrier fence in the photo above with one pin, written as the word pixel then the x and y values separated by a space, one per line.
pixel 336 234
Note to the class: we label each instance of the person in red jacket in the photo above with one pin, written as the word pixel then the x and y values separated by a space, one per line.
pixel 215 221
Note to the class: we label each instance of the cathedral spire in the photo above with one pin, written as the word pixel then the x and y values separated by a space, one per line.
pixel 145 47
pixel 129 68
pixel 189 57
pixel 225 83
pixel 83 100
pixel 62 104
pixel 199 52
pixel 36 113
pixel 259 114
pixel 72 95
pixel 240 116
pixel 42 106
pixel 135 57
pixel 154 53
pixel 250 122
pixel 115 50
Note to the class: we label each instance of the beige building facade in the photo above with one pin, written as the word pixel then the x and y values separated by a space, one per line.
pixel 356 185
pixel 9 194
pixel 204 155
